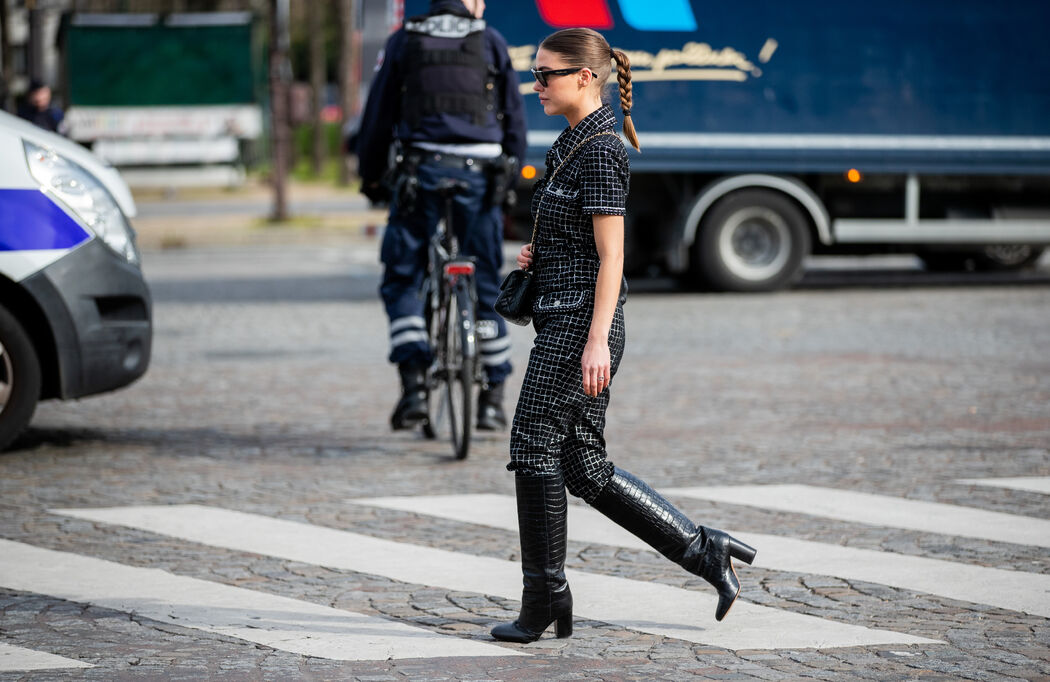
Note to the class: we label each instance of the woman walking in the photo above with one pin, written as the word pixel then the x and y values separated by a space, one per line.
pixel 557 437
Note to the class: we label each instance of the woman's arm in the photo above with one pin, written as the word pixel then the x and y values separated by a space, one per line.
pixel 608 237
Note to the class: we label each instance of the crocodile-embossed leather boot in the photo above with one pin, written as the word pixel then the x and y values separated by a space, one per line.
pixel 546 598
pixel 705 552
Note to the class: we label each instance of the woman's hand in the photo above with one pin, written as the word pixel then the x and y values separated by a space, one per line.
pixel 596 366
pixel 525 257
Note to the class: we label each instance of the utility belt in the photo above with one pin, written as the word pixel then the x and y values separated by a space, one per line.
pixel 501 173
pixel 427 157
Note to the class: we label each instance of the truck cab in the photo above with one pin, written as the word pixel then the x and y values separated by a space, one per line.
pixel 75 310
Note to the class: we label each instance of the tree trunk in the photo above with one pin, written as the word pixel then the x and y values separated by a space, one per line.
pixel 35 46
pixel 316 16
pixel 280 74
pixel 349 78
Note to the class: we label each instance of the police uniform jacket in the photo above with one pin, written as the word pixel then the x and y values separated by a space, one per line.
pixel 383 120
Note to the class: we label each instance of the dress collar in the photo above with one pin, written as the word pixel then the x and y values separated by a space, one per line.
pixel 598 121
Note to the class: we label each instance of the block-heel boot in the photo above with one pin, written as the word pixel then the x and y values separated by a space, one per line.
pixel 546 597
pixel 705 552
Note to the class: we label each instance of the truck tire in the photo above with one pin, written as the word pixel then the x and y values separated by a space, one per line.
pixel 19 378
pixel 1007 257
pixel 1002 257
pixel 752 240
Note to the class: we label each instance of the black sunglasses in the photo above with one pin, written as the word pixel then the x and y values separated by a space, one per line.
pixel 542 75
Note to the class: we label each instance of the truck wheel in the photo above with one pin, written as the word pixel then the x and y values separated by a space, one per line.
pixel 1007 257
pixel 1000 257
pixel 19 378
pixel 752 240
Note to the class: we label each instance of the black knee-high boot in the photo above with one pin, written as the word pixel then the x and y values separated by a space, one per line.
pixel 705 552
pixel 546 598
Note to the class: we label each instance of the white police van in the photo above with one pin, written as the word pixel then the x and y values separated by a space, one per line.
pixel 75 311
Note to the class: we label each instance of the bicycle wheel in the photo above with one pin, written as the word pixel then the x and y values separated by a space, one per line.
pixel 434 313
pixel 455 410
pixel 444 413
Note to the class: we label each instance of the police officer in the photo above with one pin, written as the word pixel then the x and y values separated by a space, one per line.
pixel 446 94
pixel 38 109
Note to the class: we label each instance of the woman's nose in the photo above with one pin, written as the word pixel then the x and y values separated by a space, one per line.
pixel 536 87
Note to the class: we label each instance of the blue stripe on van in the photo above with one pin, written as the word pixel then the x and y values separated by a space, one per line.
pixel 663 15
pixel 30 220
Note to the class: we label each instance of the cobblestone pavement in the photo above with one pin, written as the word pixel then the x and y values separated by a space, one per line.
pixel 268 393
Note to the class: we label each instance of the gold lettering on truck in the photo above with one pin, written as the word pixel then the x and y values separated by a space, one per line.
pixel 693 62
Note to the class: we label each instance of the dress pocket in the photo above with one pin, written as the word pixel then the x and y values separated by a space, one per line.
pixel 559 302
pixel 562 190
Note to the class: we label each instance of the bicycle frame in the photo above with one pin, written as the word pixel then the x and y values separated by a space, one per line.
pixel 450 289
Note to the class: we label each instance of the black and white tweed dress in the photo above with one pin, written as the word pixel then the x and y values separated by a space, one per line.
pixel 557 427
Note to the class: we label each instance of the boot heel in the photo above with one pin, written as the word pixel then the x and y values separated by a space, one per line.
pixel 563 626
pixel 741 552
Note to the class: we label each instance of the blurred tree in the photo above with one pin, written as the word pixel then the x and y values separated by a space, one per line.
pixel 316 20
pixel 349 77
pixel 280 76
pixel 8 72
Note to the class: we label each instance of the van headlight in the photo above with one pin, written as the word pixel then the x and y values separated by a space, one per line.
pixel 81 194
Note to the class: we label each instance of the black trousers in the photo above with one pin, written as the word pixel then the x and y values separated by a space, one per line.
pixel 557 427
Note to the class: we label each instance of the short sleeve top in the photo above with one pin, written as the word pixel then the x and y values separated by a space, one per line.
pixel 595 180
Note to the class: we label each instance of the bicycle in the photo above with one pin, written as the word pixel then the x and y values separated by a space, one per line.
pixel 450 312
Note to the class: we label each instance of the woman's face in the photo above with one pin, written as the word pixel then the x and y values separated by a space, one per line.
pixel 563 94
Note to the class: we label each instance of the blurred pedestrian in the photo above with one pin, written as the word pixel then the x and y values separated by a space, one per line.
pixel 557 439
pixel 38 109
pixel 447 96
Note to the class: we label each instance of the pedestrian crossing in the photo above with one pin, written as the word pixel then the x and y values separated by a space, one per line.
pixel 17 659
pixel 279 622
pixel 1031 484
pixel 881 510
pixel 637 605
pixel 306 628
pixel 1014 590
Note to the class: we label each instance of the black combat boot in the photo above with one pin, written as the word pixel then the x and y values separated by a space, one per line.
pixel 411 409
pixel 490 409
pixel 546 598
pixel 705 552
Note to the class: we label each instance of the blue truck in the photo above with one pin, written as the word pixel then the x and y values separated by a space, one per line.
pixel 773 130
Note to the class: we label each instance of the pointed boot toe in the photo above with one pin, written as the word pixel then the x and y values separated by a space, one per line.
pixel 728 591
pixel 513 632
pixel 714 551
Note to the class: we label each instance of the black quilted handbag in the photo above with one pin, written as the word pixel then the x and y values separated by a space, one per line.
pixel 514 303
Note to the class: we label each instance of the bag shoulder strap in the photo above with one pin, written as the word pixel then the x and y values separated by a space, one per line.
pixel 536 221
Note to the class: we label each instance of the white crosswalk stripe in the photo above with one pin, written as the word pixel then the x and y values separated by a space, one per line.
pixel 17 659
pixel 647 607
pixel 279 622
pixel 1032 484
pixel 1014 590
pixel 881 510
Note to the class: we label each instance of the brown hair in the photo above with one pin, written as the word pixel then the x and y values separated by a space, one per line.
pixel 585 48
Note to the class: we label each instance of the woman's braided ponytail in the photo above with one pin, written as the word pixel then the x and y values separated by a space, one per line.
pixel 623 75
